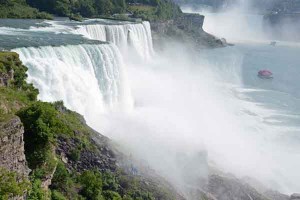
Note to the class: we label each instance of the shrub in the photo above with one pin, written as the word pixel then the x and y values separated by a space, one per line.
pixel 60 177
pixel 111 195
pixel 37 192
pixel 41 123
pixel 110 181
pixel 11 185
pixel 55 195
pixel 91 182
pixel 75 154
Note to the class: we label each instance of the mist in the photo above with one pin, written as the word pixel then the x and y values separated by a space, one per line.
pixel 244 21
pixel 187 112
pixel 191 116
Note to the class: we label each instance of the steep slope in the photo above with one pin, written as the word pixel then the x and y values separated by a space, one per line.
pixel 67 159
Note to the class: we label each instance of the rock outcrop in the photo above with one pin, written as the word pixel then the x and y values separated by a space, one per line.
pixel 295 196
pixel 12 156
pixel 186 28
pixel 219 186
pixel 225 188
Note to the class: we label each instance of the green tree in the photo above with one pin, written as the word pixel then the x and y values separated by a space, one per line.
pixel 104 7
pixel 111 195
pixel 85 8
pixel 62 7
pixel 91 182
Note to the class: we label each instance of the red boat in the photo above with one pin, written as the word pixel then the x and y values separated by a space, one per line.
pixel 266 74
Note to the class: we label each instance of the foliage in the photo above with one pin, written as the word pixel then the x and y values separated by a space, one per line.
pixel 11 61
pixel 75 9
pixel 11 185
pixel 55 195
pixel 18 93
pixel 75 154
pixel 111 195
pixel 157 10
pixel 110 181
pixel 37 192
pixel 19 9
pixel 41 123
pixel 91 182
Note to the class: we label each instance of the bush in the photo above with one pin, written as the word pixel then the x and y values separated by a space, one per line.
pixel 91 182
pixel 41 124
pixel 111 195
pixel 37 192
pixel 11 185
pixel 55 195
pixel 75 154
pixel 110 181
pixel 60 177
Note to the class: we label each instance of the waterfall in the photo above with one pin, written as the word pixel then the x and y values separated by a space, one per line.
pixel 136 37
pixel 88 78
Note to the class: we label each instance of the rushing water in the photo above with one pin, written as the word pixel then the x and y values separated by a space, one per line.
pixel 182 107
pixel 124 36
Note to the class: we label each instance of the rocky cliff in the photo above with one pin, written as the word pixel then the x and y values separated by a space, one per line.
pixel 12 154
pixel 187 29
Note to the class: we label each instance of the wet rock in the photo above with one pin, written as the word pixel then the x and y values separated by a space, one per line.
pixel 229 188
pixel 295 196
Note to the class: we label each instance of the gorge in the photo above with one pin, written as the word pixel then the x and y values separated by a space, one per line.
pixel 184 122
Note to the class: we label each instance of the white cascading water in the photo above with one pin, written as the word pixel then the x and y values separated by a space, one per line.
pixel 88 78
pixel 128 37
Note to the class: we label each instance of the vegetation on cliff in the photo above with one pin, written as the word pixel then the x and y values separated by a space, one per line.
pixel 68 160
pixel 11 184
pixel 17 92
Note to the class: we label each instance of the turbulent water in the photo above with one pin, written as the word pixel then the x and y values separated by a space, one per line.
pixel 73 73
pixel 179 108
pixel 66 64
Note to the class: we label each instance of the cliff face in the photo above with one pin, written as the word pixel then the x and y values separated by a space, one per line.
pixel 186 28
pixel 12 154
